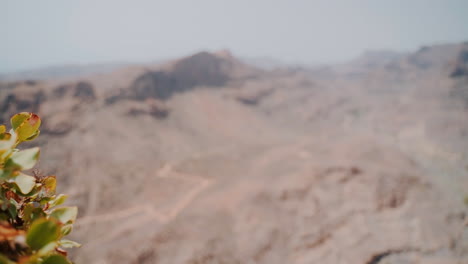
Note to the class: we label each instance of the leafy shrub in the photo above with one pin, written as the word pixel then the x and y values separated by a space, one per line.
pixel 32 229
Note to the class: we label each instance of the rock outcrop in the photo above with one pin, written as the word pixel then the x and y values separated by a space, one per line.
pixel 203 69
pixel 461 65
pixel 81 90
pixel 56 105
pixel 20 100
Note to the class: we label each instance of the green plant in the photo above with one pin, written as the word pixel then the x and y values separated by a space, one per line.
pixel 32 229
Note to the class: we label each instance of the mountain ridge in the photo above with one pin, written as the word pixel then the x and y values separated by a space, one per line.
pixel 205 159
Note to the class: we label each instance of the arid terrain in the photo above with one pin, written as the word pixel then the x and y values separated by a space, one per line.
pixel 209 160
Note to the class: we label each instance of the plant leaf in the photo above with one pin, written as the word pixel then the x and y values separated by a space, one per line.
pixel 47 249
pixel 42 232
pixel 26 125
pixel 6 146
pixel 60 199
pixel 50 183
pixel 38 132
pixel 5 136
pixel 67 229
pixel 31 213
pixel 65 215
pixel 12 210
pixel 18 119
pixel 5 260
pixel 24 160
pixel 65 243
pixel 24 182
pixel 55 259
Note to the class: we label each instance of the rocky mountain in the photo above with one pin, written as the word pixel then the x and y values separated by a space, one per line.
pixel 207 159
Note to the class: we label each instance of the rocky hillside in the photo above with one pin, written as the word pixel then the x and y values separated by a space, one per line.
pixel 206 159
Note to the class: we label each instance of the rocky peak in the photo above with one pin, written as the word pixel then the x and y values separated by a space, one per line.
pixel 200 69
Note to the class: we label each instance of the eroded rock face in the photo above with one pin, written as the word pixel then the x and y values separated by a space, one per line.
pixel 155 85
pixel 20 101
pixel 202 69
pixel 460 76
pixel 461 67
pixel 152 107
pixel 82 90
pixel 56 106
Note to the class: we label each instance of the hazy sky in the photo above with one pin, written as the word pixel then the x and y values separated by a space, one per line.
pixel 48 32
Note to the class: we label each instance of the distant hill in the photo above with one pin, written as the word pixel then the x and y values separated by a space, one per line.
pixel 62 71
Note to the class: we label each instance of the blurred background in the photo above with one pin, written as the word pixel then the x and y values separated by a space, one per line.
pixel 206 132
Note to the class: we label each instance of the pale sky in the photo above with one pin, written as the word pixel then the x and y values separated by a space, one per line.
pixel 36 33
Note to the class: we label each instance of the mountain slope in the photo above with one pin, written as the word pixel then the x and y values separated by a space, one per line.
pixel 208 160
